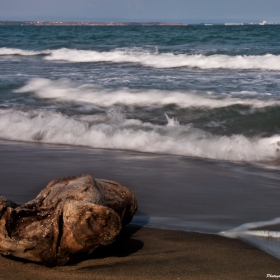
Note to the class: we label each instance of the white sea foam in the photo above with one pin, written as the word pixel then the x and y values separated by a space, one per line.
pixel 115 132
pixel 169 60
pixel 10 51
pixel 171 121
pixel 65 90
pixel 155 59
pixel 265 239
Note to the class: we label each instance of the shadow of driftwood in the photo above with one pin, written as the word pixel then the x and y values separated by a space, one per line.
pixel 122 247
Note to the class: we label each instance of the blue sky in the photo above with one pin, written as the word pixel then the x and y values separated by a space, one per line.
pixel 189 11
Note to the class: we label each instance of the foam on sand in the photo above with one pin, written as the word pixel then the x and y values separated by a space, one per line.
pixel 256 234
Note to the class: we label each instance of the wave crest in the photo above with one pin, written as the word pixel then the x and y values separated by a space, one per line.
pixel 114 132
pixel 65 90
pixel 155 59
pixel 12 51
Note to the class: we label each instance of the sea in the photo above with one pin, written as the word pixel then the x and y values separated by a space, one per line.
pixel 187 117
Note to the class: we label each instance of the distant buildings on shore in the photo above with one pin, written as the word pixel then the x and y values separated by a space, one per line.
pixel 233 23
pixel 260 23
pixel 74 23
pixel 263 23
pixel 241 23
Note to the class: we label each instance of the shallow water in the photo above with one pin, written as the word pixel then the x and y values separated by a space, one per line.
pixel 172 191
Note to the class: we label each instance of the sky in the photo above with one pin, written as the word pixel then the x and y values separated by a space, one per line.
pixel 187 11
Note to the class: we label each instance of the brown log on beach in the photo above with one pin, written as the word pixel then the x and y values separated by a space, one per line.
pixel 71 216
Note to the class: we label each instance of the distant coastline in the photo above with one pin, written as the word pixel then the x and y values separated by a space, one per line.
pixel 83 23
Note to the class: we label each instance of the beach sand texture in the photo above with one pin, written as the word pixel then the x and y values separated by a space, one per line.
pixel 146 253
pixel 149 253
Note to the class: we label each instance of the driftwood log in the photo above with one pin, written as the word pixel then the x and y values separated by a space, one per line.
pixel 71 216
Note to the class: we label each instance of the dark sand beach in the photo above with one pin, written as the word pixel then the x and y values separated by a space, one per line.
pixel 146 253
pixel 173 192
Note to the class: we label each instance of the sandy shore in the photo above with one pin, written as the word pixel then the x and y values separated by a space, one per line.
pixel 226 196
pixel 146 253
pixel 172 191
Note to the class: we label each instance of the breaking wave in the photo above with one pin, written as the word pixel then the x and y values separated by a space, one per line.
pixel 155 59
pixel 11 51
pixel 65 90
pixel 114 131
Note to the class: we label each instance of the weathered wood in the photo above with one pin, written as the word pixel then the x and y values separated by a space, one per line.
pixel 72 215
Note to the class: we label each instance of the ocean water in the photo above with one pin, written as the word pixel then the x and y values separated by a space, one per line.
pixel 202 93
pixel 208 92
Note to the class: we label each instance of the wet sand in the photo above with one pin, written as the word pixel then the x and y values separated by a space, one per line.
pixel 172 192
pixel 146 253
